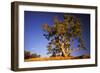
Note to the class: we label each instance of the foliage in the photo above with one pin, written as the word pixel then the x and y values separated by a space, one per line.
pixel 28 54
pixel 62 34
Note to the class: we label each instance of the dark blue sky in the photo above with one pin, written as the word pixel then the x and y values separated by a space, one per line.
pixel 34 40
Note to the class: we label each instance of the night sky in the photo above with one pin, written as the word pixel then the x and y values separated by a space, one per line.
pixel 34 40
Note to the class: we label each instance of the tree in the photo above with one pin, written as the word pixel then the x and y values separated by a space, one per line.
pixel 62 35
pixel 28 54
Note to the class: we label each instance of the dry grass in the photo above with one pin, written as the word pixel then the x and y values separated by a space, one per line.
pixel 55 58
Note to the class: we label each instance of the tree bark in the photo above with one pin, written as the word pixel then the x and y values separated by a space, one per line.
pixel 63 50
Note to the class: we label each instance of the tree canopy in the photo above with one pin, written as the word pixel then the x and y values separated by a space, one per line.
pixel 62 34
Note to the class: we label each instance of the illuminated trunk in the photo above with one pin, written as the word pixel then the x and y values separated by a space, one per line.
pixel 63 50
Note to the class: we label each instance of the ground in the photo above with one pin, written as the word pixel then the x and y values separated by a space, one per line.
pixel 57 58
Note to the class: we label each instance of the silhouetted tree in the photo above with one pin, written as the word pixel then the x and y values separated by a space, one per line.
pixel 28 54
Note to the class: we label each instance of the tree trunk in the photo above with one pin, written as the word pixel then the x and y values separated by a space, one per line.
pixel 63 50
